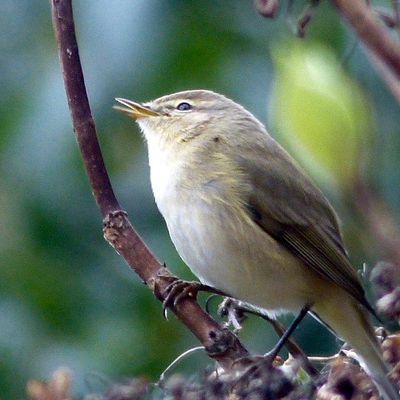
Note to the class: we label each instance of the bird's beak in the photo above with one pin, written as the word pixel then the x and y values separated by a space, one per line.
pixel 134 110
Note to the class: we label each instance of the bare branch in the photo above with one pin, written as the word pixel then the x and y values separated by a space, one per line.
pixel 369 29
pixel 379 220
pixel 220 343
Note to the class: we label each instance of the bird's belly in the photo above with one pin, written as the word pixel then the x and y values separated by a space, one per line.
pixel 231 253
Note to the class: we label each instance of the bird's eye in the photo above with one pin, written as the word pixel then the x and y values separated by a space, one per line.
pixel 184 106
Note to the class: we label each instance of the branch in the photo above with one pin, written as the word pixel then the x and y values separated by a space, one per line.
pixel 379 220
pixel 369 29
pixel 220 343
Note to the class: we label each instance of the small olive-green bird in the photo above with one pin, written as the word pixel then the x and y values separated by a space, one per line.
pixel 248 221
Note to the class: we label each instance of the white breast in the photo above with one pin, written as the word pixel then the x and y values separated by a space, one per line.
pixel 163 168
pixel 222 248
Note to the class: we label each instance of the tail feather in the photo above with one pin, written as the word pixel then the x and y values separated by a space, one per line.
pixel 372 362
pixel 350 320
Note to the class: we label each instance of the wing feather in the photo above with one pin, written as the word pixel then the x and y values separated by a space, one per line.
pixel 285 203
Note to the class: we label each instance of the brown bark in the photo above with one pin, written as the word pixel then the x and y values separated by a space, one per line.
pixel 220 343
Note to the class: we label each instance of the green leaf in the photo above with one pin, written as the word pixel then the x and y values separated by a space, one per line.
pixel 320 112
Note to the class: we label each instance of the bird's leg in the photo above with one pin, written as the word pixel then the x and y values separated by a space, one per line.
pixel 179 289
pixel 234 311
pixel 283 339
pixel 291 345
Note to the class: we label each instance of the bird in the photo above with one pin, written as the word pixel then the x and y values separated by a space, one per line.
pixel 247 219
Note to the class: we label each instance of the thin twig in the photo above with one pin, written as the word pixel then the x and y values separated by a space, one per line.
pixel 161 379
pixel 323 360
pixel 220 343
pixel 373 34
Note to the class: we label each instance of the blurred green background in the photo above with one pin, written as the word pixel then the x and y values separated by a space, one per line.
pixel 66 298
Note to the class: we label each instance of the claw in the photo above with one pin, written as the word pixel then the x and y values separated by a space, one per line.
pixel 165 312
pixel 178 290
pixel 184 290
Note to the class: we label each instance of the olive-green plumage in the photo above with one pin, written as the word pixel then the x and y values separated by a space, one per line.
pixel 247 220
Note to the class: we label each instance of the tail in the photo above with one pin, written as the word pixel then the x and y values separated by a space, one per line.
pixel 350 321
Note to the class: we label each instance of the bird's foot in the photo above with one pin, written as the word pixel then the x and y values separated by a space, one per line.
pixel 254 361
pixel 179 289
pixel 252 366
pixel 234 311
pixel 271 356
